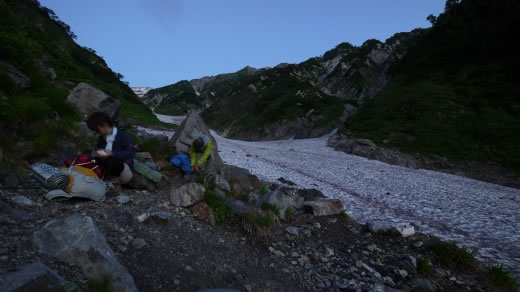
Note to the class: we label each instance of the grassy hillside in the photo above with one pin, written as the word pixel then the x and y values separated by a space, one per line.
pixel 306 99
pixel 456 93
pixel 33 39
pixel 176 99
pixel 251 102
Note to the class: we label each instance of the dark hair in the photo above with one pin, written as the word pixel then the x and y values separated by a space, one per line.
pixel 98 119
pixel 198 144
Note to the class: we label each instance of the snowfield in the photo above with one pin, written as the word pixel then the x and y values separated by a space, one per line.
pixel 474 213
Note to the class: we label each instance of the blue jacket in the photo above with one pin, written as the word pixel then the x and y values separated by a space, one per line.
pixel 122 148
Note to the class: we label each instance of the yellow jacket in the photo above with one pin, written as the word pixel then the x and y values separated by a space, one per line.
pixel 203 158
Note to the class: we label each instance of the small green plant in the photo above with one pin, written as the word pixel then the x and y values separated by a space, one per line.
pixel 150 145
pixel 289 213
pixel 501 278
pixel 264 190
pixel 200 179
pixel 455 258
pixel 260 220
pixel 344 215
pixel 424 266
pixel 270 208
pixel 100 285
pixel 221 211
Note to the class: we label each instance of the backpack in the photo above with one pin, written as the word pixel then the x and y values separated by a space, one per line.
pixel 182 161
pixel 86 161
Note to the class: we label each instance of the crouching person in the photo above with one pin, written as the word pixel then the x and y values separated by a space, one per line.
pixel 200 153
pixel 115 148
pixel 199 159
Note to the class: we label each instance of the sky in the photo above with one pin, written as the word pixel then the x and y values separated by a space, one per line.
pixel 159 42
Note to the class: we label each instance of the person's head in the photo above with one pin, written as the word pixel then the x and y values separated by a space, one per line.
pixel 100 123
pixel 198 144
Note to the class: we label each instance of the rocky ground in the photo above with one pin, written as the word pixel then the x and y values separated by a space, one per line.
pixel 231 231
pixel 171 250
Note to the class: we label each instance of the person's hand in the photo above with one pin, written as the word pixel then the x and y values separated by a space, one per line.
pixel 196 168
pixel 104 153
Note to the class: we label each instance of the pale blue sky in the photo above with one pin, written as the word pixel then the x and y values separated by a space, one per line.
pixel 159 42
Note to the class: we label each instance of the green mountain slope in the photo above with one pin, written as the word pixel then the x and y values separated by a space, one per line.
pixel 176 99
pixel 457 92
pixel 196 94
pixel 36 44
pixel 307 99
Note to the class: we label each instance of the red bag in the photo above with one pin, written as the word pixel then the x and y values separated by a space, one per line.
pixel 86 161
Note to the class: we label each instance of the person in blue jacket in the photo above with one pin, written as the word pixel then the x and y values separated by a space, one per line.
pixel 115 148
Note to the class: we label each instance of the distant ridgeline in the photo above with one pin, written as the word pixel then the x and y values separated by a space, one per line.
pixel 39 64
pixel 451 90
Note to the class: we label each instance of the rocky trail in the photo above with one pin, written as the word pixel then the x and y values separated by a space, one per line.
pixel 474 213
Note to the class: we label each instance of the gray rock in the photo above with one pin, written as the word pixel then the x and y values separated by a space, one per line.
pixel 245 181
pixel 22 201
pixel 222 183
pixel 34 277
pixel 76 240
pixel 139 243
pixel 408 265
pixel 187 195
pixel 378 226
pixel 16 76
pixel 192 127
pixel 441 272
pixel 155 216
pixel 123 199
pixel 159 217
pixel 243 208
pixel 423 285
pixel 310 194
pixel 88 99
pixel 282 201
pixel 9 215
pixel 405 230
pixel 292 230
pixel 324 207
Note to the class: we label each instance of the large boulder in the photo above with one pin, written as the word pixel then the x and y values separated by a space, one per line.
pixel 187 195
pixel 379 226
pixel 281 200
pixel 241 180
pixel 88 99
pixel 192 127
pixel 76 240
pixel 324 207
pixel 34 277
